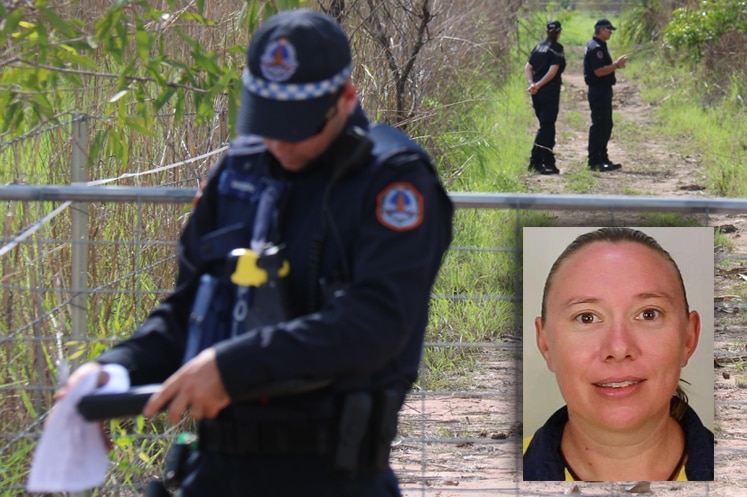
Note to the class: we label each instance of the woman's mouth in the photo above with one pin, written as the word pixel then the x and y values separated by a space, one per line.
pixel 618 389
pixel 618 384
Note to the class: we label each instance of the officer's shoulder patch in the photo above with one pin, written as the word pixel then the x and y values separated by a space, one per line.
pixel 599 54
pixel 399 207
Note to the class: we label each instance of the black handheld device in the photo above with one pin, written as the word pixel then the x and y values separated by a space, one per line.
pixel 116 405
pixel 96 407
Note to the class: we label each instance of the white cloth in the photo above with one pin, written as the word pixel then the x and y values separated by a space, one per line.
pixel 71 455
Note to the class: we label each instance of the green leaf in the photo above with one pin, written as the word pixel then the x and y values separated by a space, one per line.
pixel 105 25
pixel 289 4
pixel 78 60
pixel 42 43
pixel 135 124
pixel 194 44
pixel 10 24
pixel 142 40
pixel 179 107
pixel 207 63
pixel 125 74
pixel 74 79
pixel 121 28
pixel 191 16
pixel 154 69
pixel 41 105
pixel 164 98
pixel 62 27
pixel 28 404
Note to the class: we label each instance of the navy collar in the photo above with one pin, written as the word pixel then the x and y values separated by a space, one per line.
pixel 543 460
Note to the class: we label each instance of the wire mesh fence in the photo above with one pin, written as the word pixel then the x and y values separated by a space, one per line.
pixel 460 431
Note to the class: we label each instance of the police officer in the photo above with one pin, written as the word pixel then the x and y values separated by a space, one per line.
pixel 599 74
pixel 543 71
pixel 308 263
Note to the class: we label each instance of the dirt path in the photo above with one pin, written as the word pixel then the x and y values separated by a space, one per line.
pixel 482 455
pixel 650 167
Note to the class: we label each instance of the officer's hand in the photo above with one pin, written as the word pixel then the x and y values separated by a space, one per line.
pixel 80 373
pixel 196 386
pixel 621 61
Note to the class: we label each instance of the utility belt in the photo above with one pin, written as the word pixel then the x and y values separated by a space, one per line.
pixel 258 439
pixel 357 440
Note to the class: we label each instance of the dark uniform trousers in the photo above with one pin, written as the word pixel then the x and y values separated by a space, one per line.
pixel 279 476
pixel 600 102
pixel 546 105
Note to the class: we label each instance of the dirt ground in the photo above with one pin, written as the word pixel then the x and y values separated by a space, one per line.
pixel 483 455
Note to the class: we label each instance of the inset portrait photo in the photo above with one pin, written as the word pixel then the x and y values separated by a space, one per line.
pixel 618 354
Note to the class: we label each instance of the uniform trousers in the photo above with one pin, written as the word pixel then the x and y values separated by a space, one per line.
pixel 212 473
pixel 600 102
pixel 546 104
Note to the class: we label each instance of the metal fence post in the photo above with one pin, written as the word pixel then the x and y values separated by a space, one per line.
pixel 79 213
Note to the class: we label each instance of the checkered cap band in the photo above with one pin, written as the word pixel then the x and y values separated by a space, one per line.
pixel 294 91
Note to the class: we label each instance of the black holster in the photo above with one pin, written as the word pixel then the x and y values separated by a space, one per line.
pixel 367 425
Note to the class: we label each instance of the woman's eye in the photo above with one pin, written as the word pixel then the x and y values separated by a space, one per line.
pixel 649 314
pixel 586 318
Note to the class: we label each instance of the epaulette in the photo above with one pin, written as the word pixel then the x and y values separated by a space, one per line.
pixel 246 145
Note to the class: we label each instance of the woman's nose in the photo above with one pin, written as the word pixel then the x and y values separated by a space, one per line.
pixel 619 341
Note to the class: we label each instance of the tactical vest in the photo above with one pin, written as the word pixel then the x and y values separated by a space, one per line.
pixel 246 217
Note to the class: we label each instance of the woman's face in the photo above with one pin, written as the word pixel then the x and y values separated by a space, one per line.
pixel 616 334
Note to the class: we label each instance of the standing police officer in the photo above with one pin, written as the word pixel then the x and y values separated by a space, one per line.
pixel 599 74
pixel 309 257
pixel 543 71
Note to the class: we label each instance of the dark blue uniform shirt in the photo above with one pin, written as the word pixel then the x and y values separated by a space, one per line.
pixel 387 224
pixel 596 55
pixel 542 57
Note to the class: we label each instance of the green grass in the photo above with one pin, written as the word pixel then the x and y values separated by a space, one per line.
pixel 576 120
pixel 668 219
pixel 703 127
pixel 581 179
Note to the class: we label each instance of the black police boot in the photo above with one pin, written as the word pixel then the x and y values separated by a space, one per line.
pixel 538 162
pixel 605 167
pixel 549 162
pixel 535 161
pixel 611 164
pixel 602 164
pixel 542 168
